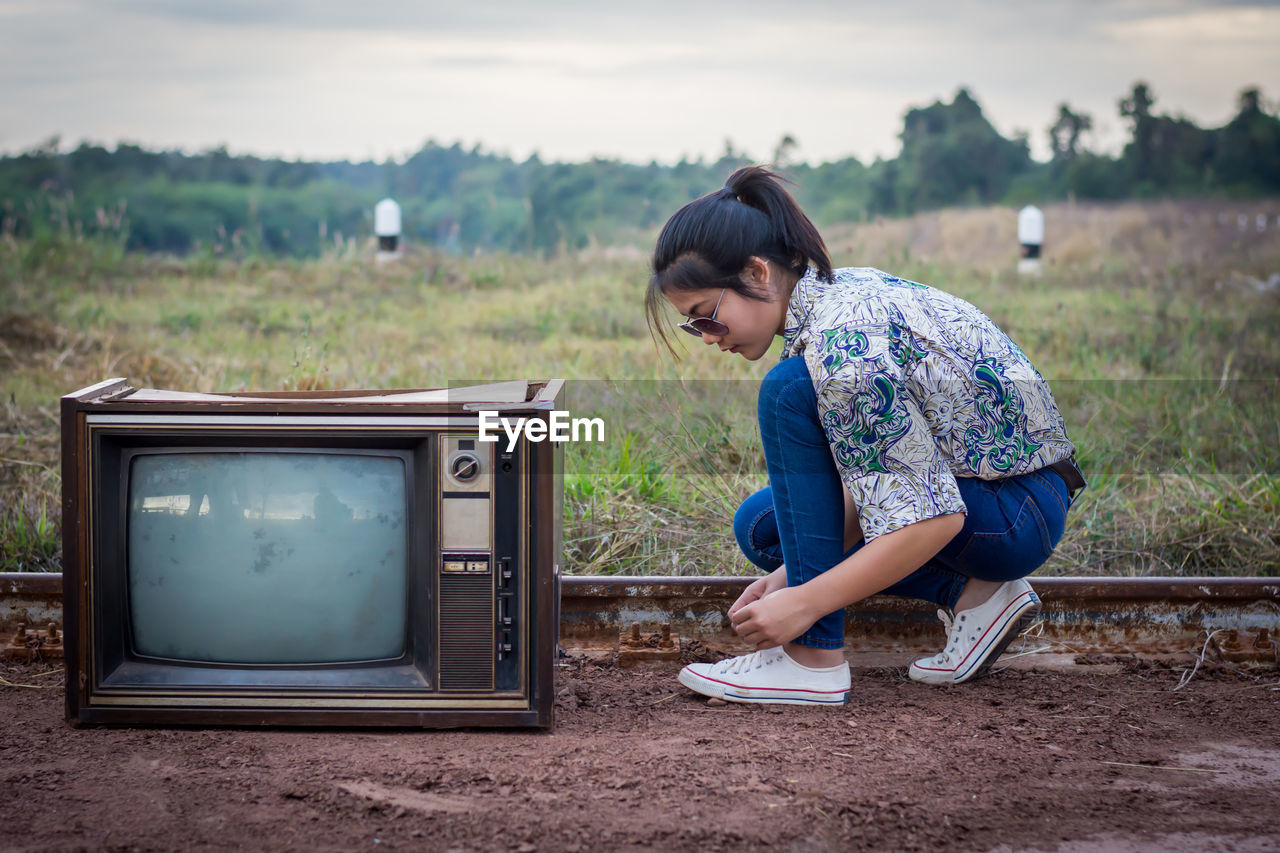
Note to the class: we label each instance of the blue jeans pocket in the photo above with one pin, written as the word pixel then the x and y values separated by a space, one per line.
pixel 1013 552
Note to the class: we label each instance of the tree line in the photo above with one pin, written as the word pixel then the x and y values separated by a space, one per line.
pixel 463 199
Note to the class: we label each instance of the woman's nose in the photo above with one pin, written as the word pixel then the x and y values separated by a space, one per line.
pixel 708 338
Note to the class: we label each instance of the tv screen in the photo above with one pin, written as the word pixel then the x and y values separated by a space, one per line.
pixel 315 558
pixel 267 558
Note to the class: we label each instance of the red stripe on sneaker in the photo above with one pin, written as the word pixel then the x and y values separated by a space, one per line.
pixel 994 623
pixel 976 645
pixel 789 689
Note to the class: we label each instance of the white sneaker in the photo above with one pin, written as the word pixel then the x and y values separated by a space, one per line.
pixel 979 635
pixel 768 676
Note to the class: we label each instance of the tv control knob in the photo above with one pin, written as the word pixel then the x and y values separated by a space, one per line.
pixel 464 467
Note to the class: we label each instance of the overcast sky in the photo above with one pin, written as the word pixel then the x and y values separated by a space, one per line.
pixel 320 79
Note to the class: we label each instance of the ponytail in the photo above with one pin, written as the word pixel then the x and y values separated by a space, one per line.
pixel 708 242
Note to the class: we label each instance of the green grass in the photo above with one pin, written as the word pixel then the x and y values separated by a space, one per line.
pixel 1165 369
pixel 32 540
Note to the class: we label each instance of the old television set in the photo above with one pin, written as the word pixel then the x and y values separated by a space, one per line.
pixel 309 558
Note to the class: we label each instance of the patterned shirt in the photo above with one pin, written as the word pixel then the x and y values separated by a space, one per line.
pixel 917 387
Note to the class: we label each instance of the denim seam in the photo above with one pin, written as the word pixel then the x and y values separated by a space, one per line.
pixel 801 569
pixel 751 529
pixel 953 594
pixel 1038 516
pixel 1045 538
pixel 1044 481
pixel 1032 508
pixel 806 639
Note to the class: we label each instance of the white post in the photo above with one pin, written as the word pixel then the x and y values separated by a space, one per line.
pixel 1030 238
pixel 386 225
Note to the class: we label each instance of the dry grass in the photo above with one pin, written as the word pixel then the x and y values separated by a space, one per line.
pixel 1078 236
pixel 1156 325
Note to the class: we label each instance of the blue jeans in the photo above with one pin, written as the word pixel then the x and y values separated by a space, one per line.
pixel 1011 526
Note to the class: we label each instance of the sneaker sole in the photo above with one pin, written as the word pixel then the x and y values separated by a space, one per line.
pixel 766 696
pixel 1018 623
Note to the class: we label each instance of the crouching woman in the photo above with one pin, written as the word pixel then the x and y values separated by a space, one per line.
pixel 912 448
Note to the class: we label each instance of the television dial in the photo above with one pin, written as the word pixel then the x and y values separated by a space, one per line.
pixel 464 467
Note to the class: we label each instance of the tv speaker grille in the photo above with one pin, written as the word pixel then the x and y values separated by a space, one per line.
pixel 466 632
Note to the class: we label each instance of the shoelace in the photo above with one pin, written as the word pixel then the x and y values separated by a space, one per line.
pixel 742 663
pixel 954 631
pixel 944 657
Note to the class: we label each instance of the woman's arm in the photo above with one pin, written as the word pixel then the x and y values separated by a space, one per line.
pixel 777 579
pixel 887 559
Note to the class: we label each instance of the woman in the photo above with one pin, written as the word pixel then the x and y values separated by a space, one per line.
pixel 912 448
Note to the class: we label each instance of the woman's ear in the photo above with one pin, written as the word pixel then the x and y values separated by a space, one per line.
pixel 756 274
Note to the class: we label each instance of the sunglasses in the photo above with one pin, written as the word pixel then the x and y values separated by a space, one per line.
pixel 700 326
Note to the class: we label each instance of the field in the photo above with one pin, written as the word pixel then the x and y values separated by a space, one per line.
pixel 1155 324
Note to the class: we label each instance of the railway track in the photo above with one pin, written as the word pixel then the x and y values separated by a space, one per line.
pixel 1238 617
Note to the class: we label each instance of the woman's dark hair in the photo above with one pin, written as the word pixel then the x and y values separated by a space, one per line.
pixel 708 242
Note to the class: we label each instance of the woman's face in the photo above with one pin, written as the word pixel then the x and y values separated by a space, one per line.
pixel 752 325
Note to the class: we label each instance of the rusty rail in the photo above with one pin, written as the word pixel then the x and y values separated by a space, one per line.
pixel 29 598
pixel 1081 615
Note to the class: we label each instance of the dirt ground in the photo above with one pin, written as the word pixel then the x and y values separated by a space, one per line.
pixel 1084 758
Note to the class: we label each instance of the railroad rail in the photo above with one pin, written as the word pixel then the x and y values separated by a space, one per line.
pixel 1081 616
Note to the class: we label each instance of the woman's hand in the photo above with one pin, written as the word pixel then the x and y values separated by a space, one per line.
pixel 759 588
pixel 774 619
